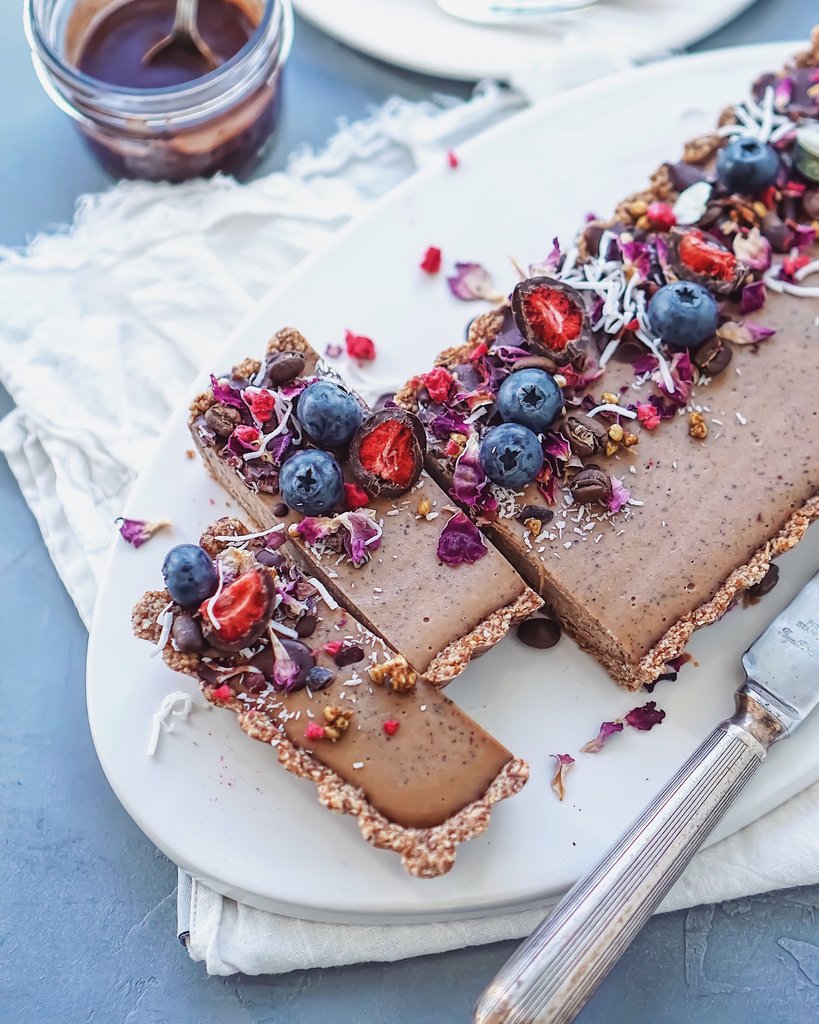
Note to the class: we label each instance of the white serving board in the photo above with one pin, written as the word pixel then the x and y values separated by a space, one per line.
pixel 216 802
pixel 418 35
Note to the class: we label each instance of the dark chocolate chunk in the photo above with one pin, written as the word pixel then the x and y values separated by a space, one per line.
pixel 539 632
pixel 543 515
pixel 348 654
pixel 306 626
pixel 810 204
pixel 766 584
pixel 272 559
pixel 777 233
pixel 222 419
pixel 280 509
pixel 590 485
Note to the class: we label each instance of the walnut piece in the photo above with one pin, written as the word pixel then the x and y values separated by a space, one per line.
pixel 336 722
pixel 697 427
pixel 396 673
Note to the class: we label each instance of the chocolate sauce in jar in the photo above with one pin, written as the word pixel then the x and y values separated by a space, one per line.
pixel 114 49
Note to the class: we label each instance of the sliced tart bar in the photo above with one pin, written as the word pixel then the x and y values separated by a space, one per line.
pixel 680 454
pixel 338 706
pixel 388 545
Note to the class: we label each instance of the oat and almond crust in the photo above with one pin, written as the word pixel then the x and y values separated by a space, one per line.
pixel 424 852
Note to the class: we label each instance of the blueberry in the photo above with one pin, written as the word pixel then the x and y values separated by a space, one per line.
pixel 530 397
pixel 329 414
pixel 189 574
pixel 747 165
pixel 683 314
pixel 311 482
pixel 511 455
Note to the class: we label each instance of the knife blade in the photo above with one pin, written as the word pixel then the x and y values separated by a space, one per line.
pixel 553 973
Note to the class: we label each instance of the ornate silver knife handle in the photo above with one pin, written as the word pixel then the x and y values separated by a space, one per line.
pixel 551 976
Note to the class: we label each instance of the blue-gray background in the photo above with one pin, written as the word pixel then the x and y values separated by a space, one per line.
pixel 87 905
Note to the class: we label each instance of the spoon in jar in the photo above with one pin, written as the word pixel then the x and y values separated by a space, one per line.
pixel 185 34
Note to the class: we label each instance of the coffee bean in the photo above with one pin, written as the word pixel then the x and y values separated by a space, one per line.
pixel 713 356
pixel 539 632
pixel 319 677
pixel 187 634
pixel 591 484
pixel 348 654
pixel 280 509
pixel 282 367
pixel 536 363
pixel 586 435
pixel 222 419
pixel 306 625
pixel 766 584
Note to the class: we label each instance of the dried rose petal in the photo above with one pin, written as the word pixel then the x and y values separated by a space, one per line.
pixel 460 541
pixel 753 297
pixel 606 729
pixel 137 532
pixel 645 717
pixel 753 249
pixel 359 347
pixel 431 263
pixel 333 351
pixel 472 281
pixel 225 394
pixel 620 496
pixel 564 762
pixel 360 535
pixel 744 332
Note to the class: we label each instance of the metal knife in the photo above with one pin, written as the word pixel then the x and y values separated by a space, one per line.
pixel 553 973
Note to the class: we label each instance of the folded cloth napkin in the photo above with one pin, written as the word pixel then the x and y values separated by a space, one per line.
pixel 152 278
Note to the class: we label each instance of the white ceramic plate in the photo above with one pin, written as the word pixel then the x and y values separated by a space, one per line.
pixel 216 802
pixel 418 35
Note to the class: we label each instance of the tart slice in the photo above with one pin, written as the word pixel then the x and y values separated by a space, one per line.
pixel 298 450
pixel 337 705
pixel 636 430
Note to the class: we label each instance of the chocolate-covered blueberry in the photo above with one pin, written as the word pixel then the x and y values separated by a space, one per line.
pixel 319 677
pixel 186 634
pixel 387 453
pixel 280 510
pixel 272 559
pixel 549 314
pixel 304 660
pixel 306 626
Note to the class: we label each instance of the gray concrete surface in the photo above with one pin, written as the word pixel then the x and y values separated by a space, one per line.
pixel 87 905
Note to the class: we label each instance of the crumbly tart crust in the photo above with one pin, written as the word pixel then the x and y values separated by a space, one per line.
pixel 452 659
pixel 425 852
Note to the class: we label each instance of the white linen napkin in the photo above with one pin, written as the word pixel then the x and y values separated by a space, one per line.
pixel 155 276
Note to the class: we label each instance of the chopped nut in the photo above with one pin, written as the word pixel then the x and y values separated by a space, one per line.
pixel 697 427
pixel 396 672
pixel 612 447
pixel 336 721
pixel 644 223
pixel 629 439
pixel 424 506
pixel 534 526
pixel 616 432
pixel 609 398
pixel 638 207
pixel 760 209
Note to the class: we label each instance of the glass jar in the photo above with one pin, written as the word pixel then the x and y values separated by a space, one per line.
pixel 219 122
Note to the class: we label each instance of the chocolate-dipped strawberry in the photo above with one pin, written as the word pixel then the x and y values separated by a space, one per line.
pixel 387 453
pixel 234 618
pixel 694 256
pixel 550 315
